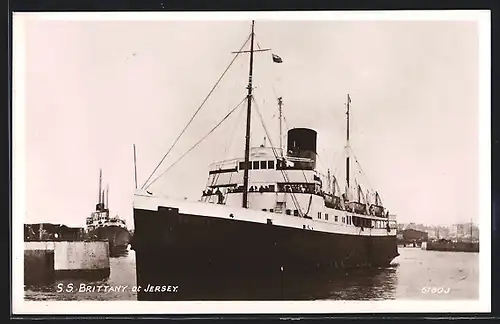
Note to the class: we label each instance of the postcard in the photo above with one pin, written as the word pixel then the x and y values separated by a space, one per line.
pixel 251 162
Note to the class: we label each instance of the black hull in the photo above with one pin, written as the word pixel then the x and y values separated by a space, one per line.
pixel 212 258
pixel 118 238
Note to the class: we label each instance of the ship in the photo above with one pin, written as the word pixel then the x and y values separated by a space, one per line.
pixel 100 226
pixel 264 220
pixel 470 244
pixel 445 245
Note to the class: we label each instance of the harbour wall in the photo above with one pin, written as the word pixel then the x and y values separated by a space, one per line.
pixel 448 246
pixel 45 261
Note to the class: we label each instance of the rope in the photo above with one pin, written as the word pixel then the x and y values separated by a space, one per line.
pixel 262 121
pixel 285 177
pixel 196 112
pixel 294 200
pixel 360 168
pixel 196 144
pixel 216 177
pixel 230 140
pixel 232 137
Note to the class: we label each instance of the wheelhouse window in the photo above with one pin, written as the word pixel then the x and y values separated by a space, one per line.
pixel 256 165
pixel 288 212
pixel 343 219
pixel 242 165
pixel 263 165
pixel 270 164
pixel 319 215
pixel 326 216
pixel 336 218
pixel 295 212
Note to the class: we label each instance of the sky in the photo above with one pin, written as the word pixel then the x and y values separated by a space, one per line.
pixel 93 89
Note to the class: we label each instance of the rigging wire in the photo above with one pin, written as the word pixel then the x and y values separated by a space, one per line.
pixel 228 145
pixel 197 143
pixel 361 169
pixel 232 137
pixel 285 177
pixel 283 172
pixel 196 112
pixel 371 189
pixel 303 173
pixel 324 176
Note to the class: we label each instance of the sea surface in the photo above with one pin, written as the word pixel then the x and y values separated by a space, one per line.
pixel 415 275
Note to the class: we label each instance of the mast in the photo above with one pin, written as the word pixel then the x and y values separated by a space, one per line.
pixel 347 144
pixel 135 169
pixel 107 197
pixel 280 104
pixel 100 204
pixel 100 185
pixel 329 182
pixel 247 135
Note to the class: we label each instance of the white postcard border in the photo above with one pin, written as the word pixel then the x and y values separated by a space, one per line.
pixel 20 306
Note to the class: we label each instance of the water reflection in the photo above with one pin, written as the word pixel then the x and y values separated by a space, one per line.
pixel 122 273
pixel 369 284
pixel 366 284
pixel 412 271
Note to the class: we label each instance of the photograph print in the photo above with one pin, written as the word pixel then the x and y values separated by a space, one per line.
pixel 244 158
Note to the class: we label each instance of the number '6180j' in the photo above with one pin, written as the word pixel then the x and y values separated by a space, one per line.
pixel 435 290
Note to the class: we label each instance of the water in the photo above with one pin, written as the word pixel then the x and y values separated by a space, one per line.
pixel 415 275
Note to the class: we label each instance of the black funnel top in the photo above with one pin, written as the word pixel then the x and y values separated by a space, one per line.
pixel 301 139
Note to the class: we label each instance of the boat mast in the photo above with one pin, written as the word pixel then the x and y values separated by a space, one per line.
pixel 107 197
pixel 135 169
pixel 100 185
pixel 329 182
pixel 100 205
pixel 280 104
pixel 347 144
pixel 247 135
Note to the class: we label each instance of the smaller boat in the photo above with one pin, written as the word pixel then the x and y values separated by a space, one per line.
pixel 100 226
pixel 451 246
pixel 470 244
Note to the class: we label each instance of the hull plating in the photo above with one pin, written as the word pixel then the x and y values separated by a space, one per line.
pixel 118 238
pixel 202 255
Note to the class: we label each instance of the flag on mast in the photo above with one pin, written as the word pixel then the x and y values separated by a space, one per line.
pixel 277 59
